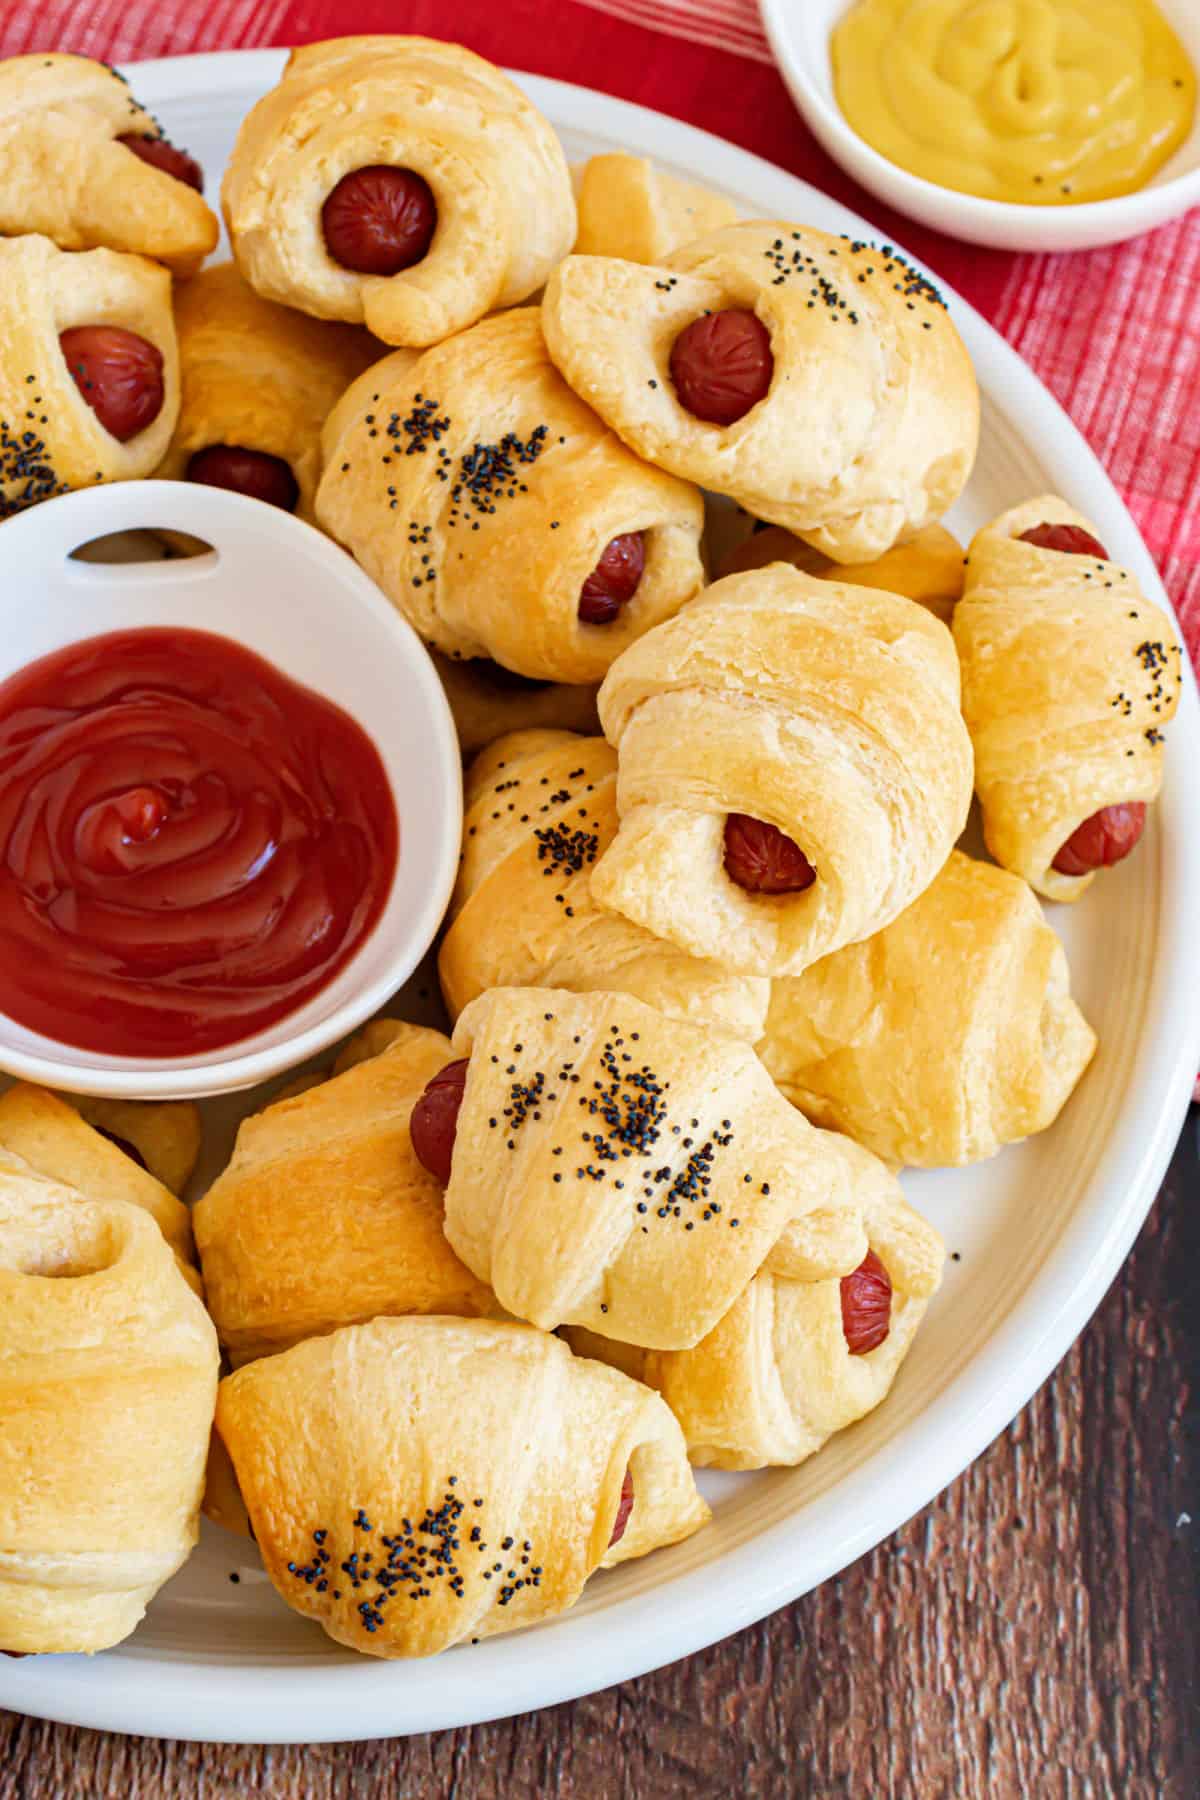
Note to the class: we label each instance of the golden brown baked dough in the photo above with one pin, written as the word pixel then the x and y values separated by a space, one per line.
pixel 944 1037
pixel 636 1197
pixel 108 1375
pixel 505 212
pixel 361 395
pixel 45 291
pixel 829 712
pixel 870 426
pixel 928 568
pixel 325 1217
pixel 776 1377
pixel 489 701
pixel 166 1134
pixel 1069 677
pixel 540 806
pixel 64 175
pixel 258 376
pixel 372 1039
pixel 481 1453
pixel 50 1133
pixel 629 208
pixel 480 493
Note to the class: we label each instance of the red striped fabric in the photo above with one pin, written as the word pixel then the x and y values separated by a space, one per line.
pixel 733 25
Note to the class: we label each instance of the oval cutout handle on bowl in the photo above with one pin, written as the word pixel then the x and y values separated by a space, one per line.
pixel 140 545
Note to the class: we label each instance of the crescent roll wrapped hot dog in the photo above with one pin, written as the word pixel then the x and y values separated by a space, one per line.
pixel 610 1167
pixel 949 1034
pixel 400 183
pixel 796 1359
pixel 257 383
pixel 499 514
pixel 82 163
pixel 485 698
pixel 1069 677
pixel 540 808
pixel 412 1483
pixel 89 377
pixel 325 1216
pixel 793 769
pixel 108 1375
pixel 817 381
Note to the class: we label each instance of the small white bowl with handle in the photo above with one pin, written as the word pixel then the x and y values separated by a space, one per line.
pixel 800 32
pixel 278 587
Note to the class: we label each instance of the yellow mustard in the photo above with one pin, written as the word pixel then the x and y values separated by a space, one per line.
pixel 1048 102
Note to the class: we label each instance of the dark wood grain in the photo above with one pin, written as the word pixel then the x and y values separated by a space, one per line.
pixel 1034 1633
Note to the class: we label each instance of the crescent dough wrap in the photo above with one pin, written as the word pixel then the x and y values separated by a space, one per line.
pixel 1069 676
pixel 505 211
pixel 325 1217
pixel 480 492
pixel 827 711
pixel 629 208
pixel 54 1137
pixel 636 1197
pixel 775 1378
pixel 45 291
pixel 927 568
pixel 540 806
pixel 942 1038
pixel 108 1375
pixel 167 1134
pixel 416 1482
pixel 870 426
pixel 64 175
pixel 257 376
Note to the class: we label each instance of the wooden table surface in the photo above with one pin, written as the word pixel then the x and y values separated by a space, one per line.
pixel 1034 1633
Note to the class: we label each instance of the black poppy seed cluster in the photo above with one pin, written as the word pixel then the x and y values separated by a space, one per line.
pixel 797 264
pixel 415 431
pixel 626 1121
pixel 631 1103
pixel 562 847
pixel 27 472
pixel 912 284
pixel 564 850
pixel 411 1560
pixel 1154 659
pixel 789 264
pixel 488 473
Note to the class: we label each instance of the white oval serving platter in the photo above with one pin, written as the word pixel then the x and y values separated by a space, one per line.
pixel 1038 1233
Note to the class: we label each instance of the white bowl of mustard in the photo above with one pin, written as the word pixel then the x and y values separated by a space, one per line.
pixel 995 94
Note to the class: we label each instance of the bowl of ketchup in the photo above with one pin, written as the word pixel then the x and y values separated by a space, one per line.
pixel 230 795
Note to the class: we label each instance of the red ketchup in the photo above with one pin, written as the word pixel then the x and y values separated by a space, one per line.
pixel 191 844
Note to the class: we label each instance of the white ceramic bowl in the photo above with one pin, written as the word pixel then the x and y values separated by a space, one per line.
pixel 1038 1232
pixel 800 32
pixel 280 588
